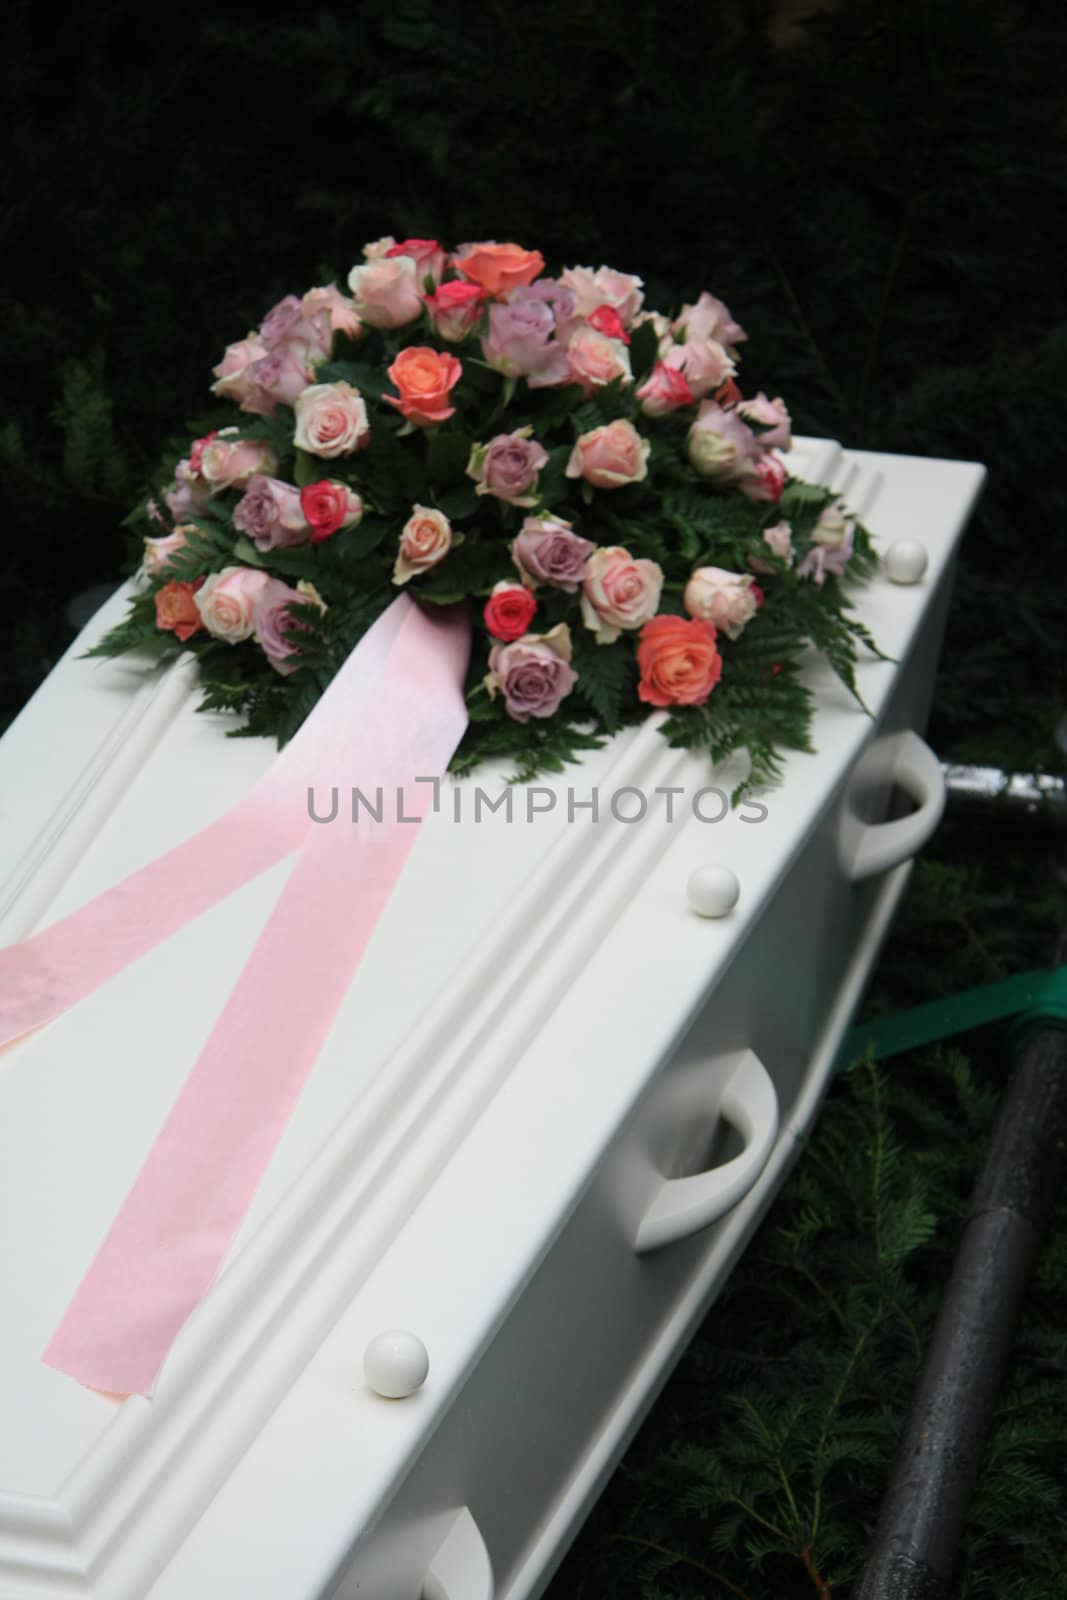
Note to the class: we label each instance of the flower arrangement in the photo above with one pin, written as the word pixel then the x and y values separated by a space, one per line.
pixel 582 472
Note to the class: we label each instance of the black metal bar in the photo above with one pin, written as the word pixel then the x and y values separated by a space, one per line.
pixel 916 1542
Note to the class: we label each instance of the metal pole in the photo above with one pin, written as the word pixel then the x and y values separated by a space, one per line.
pixel 915 1545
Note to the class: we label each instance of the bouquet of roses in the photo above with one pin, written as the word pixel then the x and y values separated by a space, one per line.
pixel 582 472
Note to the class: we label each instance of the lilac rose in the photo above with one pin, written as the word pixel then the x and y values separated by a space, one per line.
pixel 270 513
pixel 273 623
pixel 547 550
pixel 534 673
pixel 520 342
pixel 507 467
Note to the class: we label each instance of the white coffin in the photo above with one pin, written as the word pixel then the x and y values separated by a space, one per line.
pixel 514 1143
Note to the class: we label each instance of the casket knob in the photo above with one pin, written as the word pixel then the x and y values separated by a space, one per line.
pixel 713 891
pixel 395 1364
pixel 905 561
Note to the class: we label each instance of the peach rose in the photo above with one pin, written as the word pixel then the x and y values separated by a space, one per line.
pixel 425 539
pixel 386 291
pixel 176 609
pixel 331 420
pixel 227 601
pixel 499 268
pixel 424 377
pixel 596 359
pixel 610 456
pixel 618 592
pixel 724 598
pixel 678 662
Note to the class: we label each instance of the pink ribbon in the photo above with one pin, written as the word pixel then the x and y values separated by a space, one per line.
pixel 394 713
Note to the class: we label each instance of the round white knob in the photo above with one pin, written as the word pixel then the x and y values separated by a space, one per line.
pixel 395 1364
pixel 905 561
pixel 713 891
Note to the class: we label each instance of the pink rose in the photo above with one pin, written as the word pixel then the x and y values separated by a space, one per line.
pixel 610 456
pixel 604 287
pixel 507 467
pixel 596 360
pixel 720 445
pixel 724 598
pixel 331 420
pixel 703 363
pixel 832 545
pixel 763 480
pixel 226 602
pixel 231 462
pixel 425 539
pixel 534 673
pixel 330 302
pixel 233 372
pixel 709 319
pixel 270 513
pixel 379 247
pixel 618 592
pixel 779 541
pixel 663 391
pixel 429 257
pixel 548 551
pixel 386 291
pixel 455 310
pixel 775 423
pixel 158 552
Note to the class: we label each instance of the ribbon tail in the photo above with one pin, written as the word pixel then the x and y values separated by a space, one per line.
pixel 171 1235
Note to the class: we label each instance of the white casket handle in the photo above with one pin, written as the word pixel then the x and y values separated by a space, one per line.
pixel 461 1569
pixel 915 768
pixel 685 1205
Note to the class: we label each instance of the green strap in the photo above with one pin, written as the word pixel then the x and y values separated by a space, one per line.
pixel 1033 998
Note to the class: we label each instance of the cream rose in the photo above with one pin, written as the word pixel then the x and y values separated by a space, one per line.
pixel 331 420
pixel 226 602
pixel 723 598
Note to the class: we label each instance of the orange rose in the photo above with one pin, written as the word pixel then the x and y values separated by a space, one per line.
pixel 498 268
pixel 678 662
pixel 424 378
pixel 176 610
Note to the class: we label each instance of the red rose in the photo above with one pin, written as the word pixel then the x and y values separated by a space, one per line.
pixel 176 610
pixel 606 320
pixel 509 611
pixel 328 506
